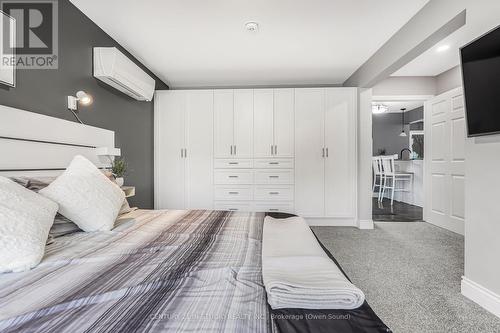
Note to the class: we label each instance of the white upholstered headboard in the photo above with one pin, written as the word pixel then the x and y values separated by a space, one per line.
pixel 32 143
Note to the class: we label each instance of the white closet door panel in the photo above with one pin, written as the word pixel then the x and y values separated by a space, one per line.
pixel 309 143
pixel 199 149
pixel 223 123
pixel 170 181
pixel 243 123
pixel 284 122
pixel 340 162
pixel 263 123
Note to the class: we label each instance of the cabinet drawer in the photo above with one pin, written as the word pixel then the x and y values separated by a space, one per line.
pixel 228 177
pixel 279 207
pixel 233 206
pixel 273 193
pixel 274 177
pixel 274 163
pixel 233 164
pixel 232 192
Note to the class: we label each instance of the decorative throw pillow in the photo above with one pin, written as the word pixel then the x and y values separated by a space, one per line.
pixel 86 196
pixel 25 221
pixel 62 226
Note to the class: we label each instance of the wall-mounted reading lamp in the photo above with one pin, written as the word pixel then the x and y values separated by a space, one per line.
pixel 81 97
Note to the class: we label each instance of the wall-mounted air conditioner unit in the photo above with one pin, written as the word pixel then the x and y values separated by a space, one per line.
pixel 116 69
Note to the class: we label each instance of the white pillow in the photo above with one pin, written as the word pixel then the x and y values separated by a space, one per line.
pixel 86 196
pixel 25 221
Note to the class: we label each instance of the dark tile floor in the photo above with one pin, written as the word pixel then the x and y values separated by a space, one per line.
pixel 399 212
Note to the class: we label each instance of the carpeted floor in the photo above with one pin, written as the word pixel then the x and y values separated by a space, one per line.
pixel 410 273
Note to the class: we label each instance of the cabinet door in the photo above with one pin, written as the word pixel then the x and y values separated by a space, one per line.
pixel 243 123
pixel 309 143
pixel 169 140
pixel 263 123
pixel 199 145
pixel 284 122
pixel 223 123
pixel 340 162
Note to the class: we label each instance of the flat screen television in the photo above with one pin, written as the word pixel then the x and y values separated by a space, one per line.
pixel 481 79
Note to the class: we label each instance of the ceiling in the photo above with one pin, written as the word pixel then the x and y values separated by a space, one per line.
pixel 482 16
pixel 203 43
pixel 396 106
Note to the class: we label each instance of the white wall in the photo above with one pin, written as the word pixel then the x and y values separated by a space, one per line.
pixel 448 80
pixel 365 145
pixel 406 85
pixel 482 222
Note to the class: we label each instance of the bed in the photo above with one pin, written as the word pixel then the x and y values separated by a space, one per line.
pixel 175 271
pixel 155 271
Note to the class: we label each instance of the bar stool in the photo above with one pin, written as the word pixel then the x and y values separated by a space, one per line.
pixel 390 174
pixel 377 172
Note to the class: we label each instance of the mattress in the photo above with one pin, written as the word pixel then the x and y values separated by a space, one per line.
pixel 159 271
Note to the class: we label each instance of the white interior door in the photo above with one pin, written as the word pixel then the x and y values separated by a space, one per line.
pixel 340 143
pixel 309 144
pixel 444 157
pixel 223 123
pixel 284 122
pixel 243 123
pixel 199 145
pixel 170 176
pixel 263 122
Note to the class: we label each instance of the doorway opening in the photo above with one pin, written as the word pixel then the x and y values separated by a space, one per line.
pixel 398 159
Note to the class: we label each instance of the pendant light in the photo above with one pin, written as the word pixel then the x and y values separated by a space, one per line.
pixel 403 133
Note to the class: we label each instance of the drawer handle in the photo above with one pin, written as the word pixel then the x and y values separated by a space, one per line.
pixel 233 163
pixel 234 192
pixel 233 176
pixel 274 193
pixel 274 176
pixel 274 210
pixel 274 163
pixel 233 209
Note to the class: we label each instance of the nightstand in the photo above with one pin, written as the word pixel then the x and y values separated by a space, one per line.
pixel 129 191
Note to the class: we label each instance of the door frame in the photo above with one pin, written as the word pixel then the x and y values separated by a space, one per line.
pixel 396 98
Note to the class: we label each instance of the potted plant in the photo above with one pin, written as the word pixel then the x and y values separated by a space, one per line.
pixel 119 168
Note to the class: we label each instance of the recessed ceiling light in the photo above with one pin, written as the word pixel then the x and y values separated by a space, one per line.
pixel 443 48
pixel 252 26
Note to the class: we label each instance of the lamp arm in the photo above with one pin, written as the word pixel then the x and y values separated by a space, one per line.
pixel 76 116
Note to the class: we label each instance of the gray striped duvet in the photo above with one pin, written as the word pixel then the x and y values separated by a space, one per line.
pixel 156 271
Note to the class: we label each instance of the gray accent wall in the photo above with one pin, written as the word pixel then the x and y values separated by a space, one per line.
pixel 45 92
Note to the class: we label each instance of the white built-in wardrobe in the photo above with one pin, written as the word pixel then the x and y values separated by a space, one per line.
pixel 276 150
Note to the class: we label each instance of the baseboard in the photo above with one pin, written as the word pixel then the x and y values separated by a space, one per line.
pixel 482 296
pixel 365 224
pixel 331 222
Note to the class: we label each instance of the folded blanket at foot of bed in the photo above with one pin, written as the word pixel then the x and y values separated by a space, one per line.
pixel 297 273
